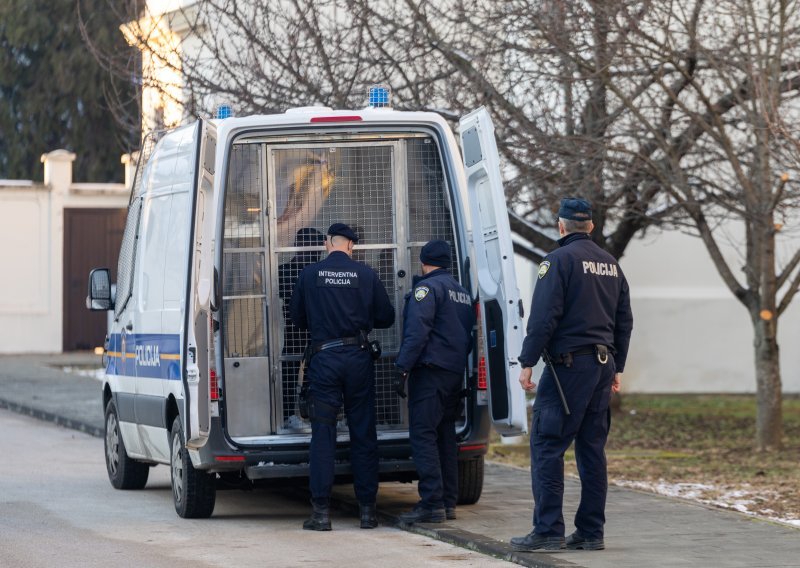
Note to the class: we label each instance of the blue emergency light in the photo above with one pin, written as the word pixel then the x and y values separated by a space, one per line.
pixel 223 111
pixel 378 96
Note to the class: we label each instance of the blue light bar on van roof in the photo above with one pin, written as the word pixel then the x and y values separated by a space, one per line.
pixel 379 96
pixel 223 111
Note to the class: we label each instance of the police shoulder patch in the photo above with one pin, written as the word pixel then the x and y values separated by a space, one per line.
pixel 421 292
pixel 543 268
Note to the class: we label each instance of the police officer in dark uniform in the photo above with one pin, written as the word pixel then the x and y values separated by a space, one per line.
pixel 437 324
pixel 581 320
pixel 340 301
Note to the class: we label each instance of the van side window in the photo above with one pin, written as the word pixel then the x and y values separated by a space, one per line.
pixel 127 251
pixel 127 256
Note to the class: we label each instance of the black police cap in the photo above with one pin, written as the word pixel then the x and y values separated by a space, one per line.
pixel 343 231
pixel 436 253
pixel 575 209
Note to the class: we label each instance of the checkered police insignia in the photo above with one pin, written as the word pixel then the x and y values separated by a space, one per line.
pixel 420 293
pixel 543 268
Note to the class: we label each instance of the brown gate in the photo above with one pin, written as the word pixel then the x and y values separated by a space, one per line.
pixel 92 238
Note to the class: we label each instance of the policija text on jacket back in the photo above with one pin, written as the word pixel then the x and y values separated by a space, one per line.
pixel 580 324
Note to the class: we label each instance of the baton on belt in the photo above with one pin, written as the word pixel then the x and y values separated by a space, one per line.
pixel 549 362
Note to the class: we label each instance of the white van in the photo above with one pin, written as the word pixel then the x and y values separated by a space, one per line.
pixel 202 361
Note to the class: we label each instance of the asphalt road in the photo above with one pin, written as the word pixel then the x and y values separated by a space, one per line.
pixel 57 508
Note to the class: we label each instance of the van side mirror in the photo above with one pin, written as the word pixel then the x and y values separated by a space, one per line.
pixel 100 298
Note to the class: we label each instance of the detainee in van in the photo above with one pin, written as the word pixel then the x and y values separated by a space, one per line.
pixel 201 361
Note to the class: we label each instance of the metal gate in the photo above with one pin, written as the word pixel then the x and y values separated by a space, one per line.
pixel 392 193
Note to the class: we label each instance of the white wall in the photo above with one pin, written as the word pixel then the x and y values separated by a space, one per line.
pixel 690 333
pixel 32 251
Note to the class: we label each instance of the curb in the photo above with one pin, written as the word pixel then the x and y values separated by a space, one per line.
pixel 463 539
pixel 70 423
pixel 484 545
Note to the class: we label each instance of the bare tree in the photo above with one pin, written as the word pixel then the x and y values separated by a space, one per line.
pixel 729 69
pixel 676 114
pixel 663 113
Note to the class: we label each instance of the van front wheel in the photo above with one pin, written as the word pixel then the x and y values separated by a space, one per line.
pixel 123 472
pixel 194 492
pixel 470 481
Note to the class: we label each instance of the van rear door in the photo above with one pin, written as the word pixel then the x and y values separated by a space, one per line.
pixel 197 418
pixel 500 304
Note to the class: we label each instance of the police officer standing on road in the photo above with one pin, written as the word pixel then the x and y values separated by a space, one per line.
pixel 340 301
pixel 581 321
pixel 437 324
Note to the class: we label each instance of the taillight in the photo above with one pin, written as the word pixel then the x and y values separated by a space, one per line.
pixel 213 385
pixel 481 372
pixel 336 118
pixel 213 380
pixel 481 355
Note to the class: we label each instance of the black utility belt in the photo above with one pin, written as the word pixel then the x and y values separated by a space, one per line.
pixel 374 347
pixel 601 351
pixel 340 342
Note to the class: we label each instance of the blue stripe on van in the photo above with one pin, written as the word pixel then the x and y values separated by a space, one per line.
pixel 150 355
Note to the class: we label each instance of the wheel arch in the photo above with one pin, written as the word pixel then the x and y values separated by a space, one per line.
pixel 171 412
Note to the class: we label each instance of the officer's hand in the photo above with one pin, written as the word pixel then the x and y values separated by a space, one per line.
pixel 525 379
pixel 615 384
pixel 399 383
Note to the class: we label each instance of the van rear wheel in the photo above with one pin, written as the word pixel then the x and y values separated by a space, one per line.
pixel 193 491
pixel 470 481
pixel 123 472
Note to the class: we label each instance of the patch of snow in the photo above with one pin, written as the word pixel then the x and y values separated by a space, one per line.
pixel 741 500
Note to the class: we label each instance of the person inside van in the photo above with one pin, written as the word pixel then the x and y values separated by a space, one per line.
pixel 295 339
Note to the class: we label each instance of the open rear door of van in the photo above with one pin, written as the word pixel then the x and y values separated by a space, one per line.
pixel 501 314
pixel 197 418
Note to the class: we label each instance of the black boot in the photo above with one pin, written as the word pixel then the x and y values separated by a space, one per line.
pixel 369 517
pixel 320 517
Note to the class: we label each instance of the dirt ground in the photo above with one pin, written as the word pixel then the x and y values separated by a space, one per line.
pixel 698 447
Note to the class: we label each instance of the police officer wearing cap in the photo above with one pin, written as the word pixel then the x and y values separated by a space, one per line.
pixel 437 325
pixel 340 301
pixel 581 321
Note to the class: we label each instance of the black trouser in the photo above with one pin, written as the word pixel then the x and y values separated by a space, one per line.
pixel 334 374
pixel 587 387
pixel 433 404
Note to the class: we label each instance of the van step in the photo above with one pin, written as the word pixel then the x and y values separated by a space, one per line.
pixel 274 471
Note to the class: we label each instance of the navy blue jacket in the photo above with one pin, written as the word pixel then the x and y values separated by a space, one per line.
pixel 338 297
pixel 437 323
pixel 581 299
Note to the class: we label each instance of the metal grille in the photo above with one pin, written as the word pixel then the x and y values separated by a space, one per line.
pixel 244 267
pixel 310 187
pixel 313 188
pixel 429 215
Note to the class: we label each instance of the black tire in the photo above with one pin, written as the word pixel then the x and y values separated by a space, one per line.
pixel 470 481
pixel 123 472
pixel 194 492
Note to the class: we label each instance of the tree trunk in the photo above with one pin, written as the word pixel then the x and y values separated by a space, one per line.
pixel 769 412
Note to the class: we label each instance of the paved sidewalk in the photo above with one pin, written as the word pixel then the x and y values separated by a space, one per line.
pixel 643 530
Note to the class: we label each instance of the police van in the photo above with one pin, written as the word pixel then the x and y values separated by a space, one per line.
pixel 202 360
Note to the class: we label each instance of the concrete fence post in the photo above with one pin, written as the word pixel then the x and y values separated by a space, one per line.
pixel 58 178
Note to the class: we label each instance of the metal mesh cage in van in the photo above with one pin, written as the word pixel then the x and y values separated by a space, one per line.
pixel 280 200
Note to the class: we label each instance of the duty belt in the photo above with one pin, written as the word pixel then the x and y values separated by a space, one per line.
pixel 340 342
pixel 600 350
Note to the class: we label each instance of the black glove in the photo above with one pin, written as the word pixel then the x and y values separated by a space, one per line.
pixel 399 383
